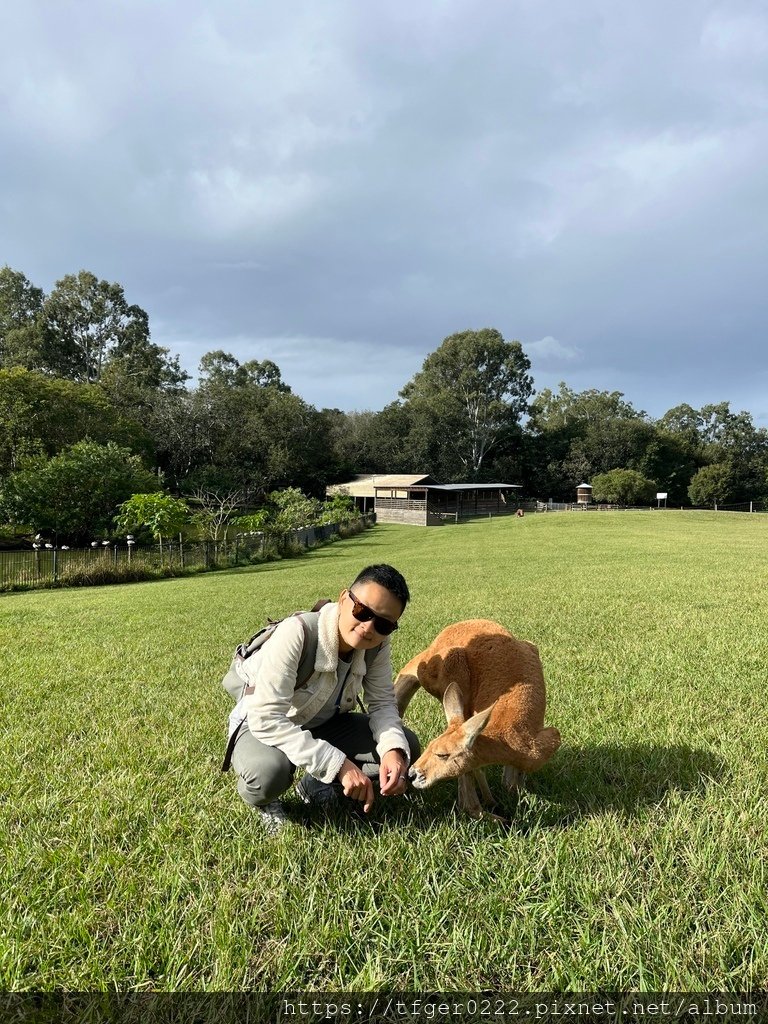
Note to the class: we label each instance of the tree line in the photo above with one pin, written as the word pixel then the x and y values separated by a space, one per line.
pixel 87 400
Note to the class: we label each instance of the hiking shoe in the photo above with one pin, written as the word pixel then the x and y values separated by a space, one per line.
pixel 313 791
pixel 273 816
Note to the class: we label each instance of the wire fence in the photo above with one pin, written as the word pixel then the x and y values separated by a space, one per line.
pixel 123 561
pixel 757 505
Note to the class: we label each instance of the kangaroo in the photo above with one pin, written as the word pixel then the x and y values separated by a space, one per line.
pixel 493 693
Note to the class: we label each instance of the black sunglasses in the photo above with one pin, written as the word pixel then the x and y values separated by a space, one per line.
pixel 365 614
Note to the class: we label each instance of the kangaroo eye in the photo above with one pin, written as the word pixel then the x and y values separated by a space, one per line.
pixel 443 757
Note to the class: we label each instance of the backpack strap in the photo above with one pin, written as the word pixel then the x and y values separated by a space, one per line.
pixel 237 686
pixel 304 671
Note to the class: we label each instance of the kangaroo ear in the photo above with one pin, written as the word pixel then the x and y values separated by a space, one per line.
pixel 475 725
pixel 453 702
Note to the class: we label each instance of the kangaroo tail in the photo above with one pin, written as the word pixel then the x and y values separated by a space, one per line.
pixel 530 754
pixel 406 685
pixel 545 745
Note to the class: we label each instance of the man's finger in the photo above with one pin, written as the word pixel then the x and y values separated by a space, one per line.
pixel 368 795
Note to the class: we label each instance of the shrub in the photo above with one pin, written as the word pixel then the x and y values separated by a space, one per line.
pixel 623 487
pixel 711 485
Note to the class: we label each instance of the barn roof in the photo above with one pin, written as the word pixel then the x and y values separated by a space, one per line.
pixel 473 487
pixel 363 485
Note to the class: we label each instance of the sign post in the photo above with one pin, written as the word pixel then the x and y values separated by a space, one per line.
pixel 659 496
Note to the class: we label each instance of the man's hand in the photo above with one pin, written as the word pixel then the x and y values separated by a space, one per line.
pixel 356 785
pixel 393 773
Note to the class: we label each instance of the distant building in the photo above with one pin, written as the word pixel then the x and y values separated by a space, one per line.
pixel 363 487
pixel 584 494
pixel 421 501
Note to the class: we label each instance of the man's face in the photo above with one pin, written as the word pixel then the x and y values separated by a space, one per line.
pixel 355 635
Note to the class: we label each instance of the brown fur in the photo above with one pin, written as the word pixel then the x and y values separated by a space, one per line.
pixel 494 695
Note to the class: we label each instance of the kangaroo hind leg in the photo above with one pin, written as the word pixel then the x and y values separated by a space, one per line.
pixel 513 778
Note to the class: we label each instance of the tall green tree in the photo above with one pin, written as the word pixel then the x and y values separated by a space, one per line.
pixel 255 434
pixel 471 389
pixel 374 442
pixel 567 408
pixel 715 435
pixel 74 495
pixel 574 435
pixel 222 369
pixel 90 327
pixel 43 415
pixel 21 332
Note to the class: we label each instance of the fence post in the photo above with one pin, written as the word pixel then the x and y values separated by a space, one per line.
pixel 55 566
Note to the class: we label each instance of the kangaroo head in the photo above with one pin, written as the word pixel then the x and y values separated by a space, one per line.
pixel 451 754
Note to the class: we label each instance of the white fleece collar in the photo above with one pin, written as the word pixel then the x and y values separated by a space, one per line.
pixel 327 657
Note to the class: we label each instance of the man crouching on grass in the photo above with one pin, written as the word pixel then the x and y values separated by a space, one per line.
pixel 288 724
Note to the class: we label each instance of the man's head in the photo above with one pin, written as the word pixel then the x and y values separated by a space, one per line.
pixel 370 608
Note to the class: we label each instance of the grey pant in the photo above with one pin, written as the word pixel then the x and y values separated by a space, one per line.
pixel 265 772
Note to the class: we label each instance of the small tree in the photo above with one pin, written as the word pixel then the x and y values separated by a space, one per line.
pixel 160 513
pixel 291 510
pixel 254 521
pixel 339 509
pixel 623 487
pixel 711 485
pixel 214 515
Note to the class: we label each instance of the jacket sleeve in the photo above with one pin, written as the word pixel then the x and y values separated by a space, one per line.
pixel 386 724
pixel 273 674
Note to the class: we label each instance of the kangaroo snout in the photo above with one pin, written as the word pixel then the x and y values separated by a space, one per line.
pixel 418 780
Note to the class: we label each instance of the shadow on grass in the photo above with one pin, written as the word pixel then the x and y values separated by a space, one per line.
pixel 580 782
pixel 600 777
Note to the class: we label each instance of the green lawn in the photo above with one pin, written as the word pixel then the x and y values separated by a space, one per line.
pixel 637 860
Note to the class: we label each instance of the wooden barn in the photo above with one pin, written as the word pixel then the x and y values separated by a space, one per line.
pixel 422 501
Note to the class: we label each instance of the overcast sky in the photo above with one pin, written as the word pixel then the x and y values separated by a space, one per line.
pixel 338 186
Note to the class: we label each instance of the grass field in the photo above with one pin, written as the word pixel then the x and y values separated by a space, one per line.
pixel 637 859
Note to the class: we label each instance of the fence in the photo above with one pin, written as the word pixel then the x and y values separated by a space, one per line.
pixel 107 560
pixel 758 505
pixel 580 506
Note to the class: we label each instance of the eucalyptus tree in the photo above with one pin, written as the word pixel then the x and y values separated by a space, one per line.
pixel 468 393
pixel 21 331
pixel 42 415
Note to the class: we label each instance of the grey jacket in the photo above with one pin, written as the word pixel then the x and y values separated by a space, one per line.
pixel 276 710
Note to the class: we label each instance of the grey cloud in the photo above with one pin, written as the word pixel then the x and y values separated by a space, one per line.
pixel 381 176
